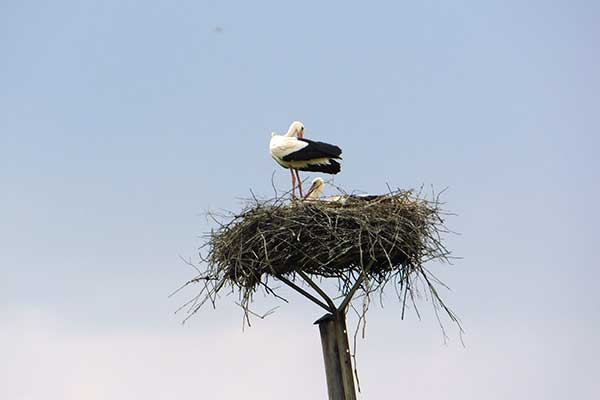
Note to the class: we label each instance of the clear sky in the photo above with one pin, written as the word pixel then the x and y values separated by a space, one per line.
pixel 121 122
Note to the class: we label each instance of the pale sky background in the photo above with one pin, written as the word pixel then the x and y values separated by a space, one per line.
pixel 121 122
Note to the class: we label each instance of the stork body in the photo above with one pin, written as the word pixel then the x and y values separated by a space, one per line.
pixel 296 153
pixel 318 187
pixel 316 190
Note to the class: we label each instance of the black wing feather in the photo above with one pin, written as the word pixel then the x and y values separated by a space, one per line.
pixel 332 168
pixel 314 150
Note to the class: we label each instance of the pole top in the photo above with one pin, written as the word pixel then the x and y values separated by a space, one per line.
pixel 325 318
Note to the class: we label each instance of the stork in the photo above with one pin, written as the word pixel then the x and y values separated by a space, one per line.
pixel 294 152
pixel 318 187
pixel 316 190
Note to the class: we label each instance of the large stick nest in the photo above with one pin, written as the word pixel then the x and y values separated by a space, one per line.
pixel 379 239
pixel 392 233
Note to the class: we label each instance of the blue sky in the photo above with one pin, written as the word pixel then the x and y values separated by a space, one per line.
pixel 121 122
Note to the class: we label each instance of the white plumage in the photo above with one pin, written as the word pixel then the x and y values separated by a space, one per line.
pixel 318 187
pixel 296 153
pixel 282 146
pixel 316 190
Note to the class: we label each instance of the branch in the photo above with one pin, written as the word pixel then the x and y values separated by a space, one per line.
pixel 317 289
pixel 305 293
pixel 354 288
pixel 350 294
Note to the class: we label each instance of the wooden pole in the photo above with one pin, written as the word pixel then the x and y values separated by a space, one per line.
pixel 344 355
pixel 334 338
pixel 333 371
pixel 336 354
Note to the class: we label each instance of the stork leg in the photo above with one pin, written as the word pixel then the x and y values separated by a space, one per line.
pixel 293 183
pixel 299 183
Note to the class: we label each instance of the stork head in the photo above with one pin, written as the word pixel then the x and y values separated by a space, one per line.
pixel 316 189
pixel 296 128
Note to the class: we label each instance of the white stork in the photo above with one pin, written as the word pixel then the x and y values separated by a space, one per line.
pixel 318 187
pixel 316 190
pixel 299 154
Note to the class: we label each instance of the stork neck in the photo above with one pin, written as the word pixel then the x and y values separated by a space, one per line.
pixel 295 129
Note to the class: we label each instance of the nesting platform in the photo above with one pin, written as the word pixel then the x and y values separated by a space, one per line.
pixel 380 239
